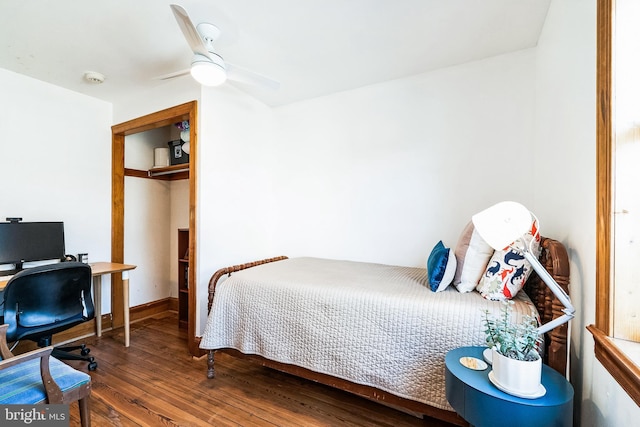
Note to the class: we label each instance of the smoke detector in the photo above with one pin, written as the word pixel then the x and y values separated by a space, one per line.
pixel 94 77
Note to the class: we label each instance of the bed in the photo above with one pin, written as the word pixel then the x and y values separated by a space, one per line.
pixel 371 329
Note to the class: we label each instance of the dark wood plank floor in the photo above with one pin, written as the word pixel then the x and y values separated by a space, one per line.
pixel 155 382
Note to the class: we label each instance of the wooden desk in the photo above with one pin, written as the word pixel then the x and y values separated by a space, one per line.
pixel 98 269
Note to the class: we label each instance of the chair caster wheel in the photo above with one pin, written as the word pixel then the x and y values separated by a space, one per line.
pixel 85 351
pixel 93 366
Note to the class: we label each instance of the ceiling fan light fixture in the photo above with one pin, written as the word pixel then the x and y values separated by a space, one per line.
pixel 207 67
pixel 208 72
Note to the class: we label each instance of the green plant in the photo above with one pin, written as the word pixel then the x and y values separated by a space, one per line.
pixel 514 340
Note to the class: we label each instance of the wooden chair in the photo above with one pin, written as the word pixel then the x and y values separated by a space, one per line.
pixel 35 377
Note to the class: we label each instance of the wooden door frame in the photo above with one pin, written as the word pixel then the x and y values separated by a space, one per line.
pixel 167 117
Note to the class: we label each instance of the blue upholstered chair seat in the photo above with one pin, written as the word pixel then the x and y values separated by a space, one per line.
pixel 22 384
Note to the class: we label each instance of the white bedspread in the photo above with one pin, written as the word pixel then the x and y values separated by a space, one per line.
pixel 371 324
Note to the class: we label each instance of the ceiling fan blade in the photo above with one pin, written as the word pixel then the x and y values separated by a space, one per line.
pixel 243 75
pixel 210 32
pixel 189 30
pixel 173 75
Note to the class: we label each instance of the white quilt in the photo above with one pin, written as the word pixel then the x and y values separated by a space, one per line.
pixel 371 324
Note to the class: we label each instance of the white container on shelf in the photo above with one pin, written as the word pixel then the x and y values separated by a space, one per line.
pixel 160 157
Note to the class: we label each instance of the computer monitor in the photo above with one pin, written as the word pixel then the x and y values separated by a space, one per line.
pixel 31 241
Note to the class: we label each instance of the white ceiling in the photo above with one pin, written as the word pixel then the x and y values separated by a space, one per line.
pixel 313 47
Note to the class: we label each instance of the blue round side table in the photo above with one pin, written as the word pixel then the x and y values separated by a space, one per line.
pixel 481 403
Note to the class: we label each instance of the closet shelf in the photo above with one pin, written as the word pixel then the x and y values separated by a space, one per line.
pixel 167 170
pixel 167 173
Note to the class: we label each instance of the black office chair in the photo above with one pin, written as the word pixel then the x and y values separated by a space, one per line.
pixel 42 301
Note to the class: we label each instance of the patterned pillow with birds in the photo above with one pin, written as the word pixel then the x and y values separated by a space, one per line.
pixel 508 269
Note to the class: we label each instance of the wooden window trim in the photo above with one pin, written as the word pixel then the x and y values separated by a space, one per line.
pixel 619 365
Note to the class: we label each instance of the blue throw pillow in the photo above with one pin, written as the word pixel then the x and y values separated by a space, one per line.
pixel 441 267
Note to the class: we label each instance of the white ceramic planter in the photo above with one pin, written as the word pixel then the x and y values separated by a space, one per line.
pixel 517 377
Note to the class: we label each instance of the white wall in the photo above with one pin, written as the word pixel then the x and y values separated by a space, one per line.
pixel 235 192
pixel 147 238
pixel 565 190
pixel 381 173
pixel 167 94
pixel 55 162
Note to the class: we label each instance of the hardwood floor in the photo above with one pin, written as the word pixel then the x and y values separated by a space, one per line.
pixel 155 382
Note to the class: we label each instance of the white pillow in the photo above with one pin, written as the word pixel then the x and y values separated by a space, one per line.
pixel 472 255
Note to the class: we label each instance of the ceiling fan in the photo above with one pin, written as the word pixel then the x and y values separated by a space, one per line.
pixel 207 67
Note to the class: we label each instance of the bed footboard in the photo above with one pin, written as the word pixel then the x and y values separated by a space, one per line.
pixel 228 270
pixel 212 290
